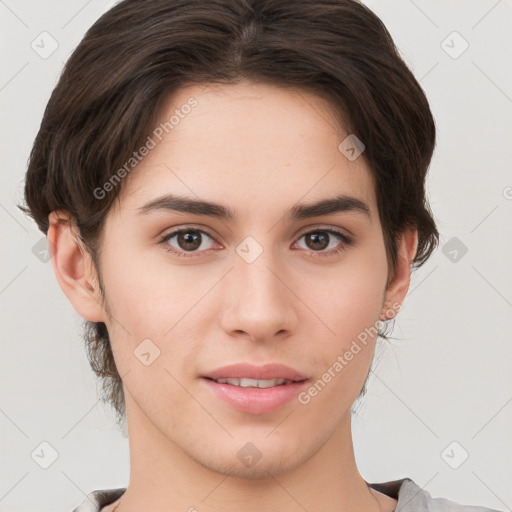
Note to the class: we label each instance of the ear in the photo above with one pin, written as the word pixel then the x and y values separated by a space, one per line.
pixel 399 285
pixel 73 266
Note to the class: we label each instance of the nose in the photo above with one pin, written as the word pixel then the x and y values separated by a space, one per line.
pixel 259 303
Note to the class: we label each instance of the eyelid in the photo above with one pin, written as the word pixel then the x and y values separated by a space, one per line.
pixel 345 238
pixel 167 235
pixel 329 228
pixel 302 231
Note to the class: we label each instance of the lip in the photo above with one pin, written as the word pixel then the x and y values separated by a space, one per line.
pixel 256 400
pixel 250 371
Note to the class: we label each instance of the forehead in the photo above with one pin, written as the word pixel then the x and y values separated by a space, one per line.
pixel 256 147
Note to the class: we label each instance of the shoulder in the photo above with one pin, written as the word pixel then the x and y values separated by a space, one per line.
pixel 409 495
pixel 412 498
pixel 96 500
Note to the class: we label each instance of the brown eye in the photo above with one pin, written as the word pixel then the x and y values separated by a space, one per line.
pixel 325 242
pixel 317 240
pixel 187 240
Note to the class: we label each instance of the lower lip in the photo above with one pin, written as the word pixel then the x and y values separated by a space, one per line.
pixel 256 400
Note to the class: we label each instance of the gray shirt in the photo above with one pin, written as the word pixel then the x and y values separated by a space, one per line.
pixel 410 498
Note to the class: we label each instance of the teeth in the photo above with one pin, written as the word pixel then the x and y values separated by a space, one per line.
pixel 253 383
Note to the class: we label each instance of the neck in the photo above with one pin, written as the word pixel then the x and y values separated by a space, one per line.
pixel 164 477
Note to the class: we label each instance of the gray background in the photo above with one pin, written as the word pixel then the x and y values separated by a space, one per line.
pixel 446 378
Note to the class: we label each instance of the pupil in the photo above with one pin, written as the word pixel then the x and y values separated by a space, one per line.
pixel 188 241
pixel 315 237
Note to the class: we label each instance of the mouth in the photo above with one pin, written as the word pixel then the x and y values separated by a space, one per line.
pixel 254 396
pixel 246 382
pixel 247 374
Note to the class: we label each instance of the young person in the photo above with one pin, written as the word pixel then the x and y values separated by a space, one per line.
pixel 234 194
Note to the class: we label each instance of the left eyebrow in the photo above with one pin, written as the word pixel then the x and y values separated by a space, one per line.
pixel 337 204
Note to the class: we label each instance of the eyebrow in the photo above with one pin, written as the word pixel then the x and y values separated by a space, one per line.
pixel 338 204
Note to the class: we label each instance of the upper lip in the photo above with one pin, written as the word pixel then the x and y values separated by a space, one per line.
pixel 250 371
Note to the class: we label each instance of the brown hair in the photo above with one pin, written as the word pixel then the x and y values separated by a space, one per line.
pixel 113 86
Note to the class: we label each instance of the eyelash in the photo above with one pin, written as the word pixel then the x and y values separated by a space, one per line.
pixel 346 241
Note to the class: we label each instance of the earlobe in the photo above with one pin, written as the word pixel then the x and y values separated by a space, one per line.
pixel 399 285
pixel 73 267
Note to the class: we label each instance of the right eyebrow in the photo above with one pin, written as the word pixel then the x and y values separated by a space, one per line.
pixel 170 202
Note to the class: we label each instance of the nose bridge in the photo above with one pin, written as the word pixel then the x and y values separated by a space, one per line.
pixel 256 269
pixel 260 304
pixel 260 282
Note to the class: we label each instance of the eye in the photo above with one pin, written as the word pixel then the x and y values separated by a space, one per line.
pixel 320 239
pixel 188 239
pixel 193 240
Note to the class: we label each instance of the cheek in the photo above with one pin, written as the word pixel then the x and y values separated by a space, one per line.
pixel 345 351
pixel 349 304
pixel 349 298
pixel 149 296
pixel 162 303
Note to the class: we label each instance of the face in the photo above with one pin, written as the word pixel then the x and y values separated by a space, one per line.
pixel 191 292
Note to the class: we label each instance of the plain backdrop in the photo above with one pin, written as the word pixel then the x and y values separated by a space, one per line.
pixel 439 403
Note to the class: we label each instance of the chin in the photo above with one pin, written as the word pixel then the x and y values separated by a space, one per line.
pixel 253 460
pixel 262 470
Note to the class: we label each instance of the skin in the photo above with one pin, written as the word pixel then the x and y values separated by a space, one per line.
pixel 259 150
